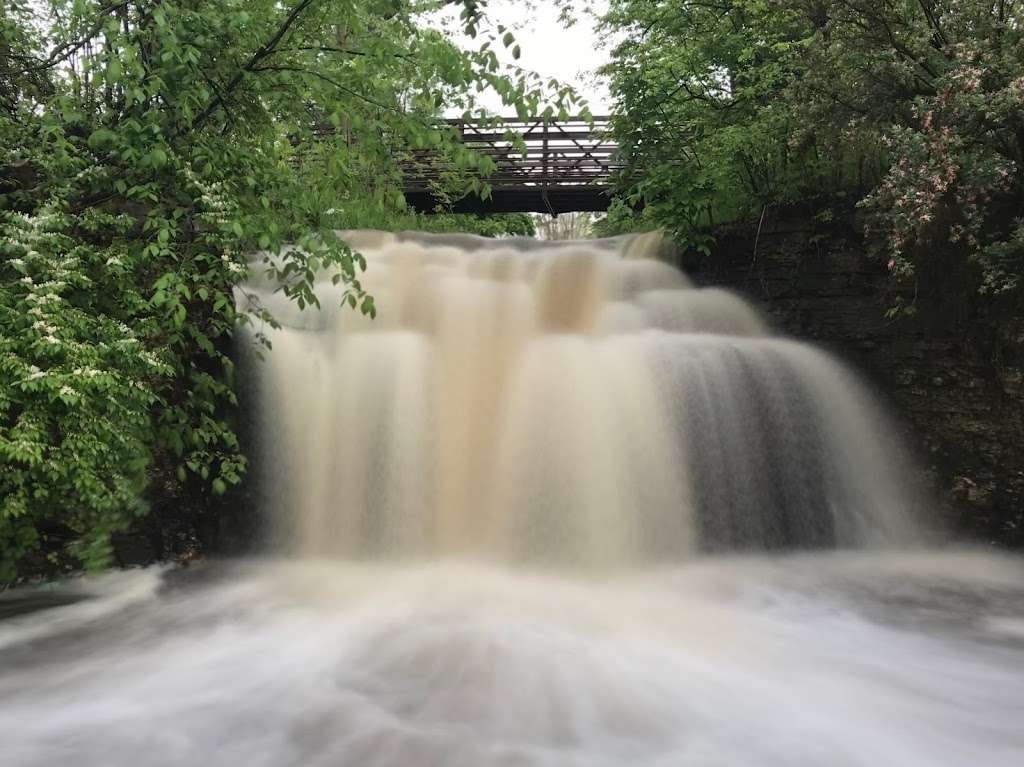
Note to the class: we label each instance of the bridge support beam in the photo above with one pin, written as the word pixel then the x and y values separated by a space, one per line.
pixel 587 199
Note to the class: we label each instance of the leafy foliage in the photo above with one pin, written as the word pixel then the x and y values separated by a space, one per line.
pixel 145 147
pixel 914 109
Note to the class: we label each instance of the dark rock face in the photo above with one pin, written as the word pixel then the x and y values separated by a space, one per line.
pixel 952 375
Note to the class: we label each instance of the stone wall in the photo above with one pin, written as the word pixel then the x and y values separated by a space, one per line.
pixel 954 379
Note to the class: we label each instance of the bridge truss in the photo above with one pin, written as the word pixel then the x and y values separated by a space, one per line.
pixel 567 166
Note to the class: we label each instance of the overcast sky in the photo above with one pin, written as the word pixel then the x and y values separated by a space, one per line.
pixel 547 47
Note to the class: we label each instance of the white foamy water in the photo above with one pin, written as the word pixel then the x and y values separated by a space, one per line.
pixel 848 660
pixel 525 513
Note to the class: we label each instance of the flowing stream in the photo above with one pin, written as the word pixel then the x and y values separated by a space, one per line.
pixel 554 506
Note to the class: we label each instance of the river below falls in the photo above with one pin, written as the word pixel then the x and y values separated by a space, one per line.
pixel 828 659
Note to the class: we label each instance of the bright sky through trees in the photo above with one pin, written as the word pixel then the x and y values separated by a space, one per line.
pixel 570 54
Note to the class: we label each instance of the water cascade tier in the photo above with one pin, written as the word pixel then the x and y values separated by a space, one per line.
pixel 577 402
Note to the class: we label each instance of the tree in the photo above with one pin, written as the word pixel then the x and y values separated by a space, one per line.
pixel 915 110
pixel 147 147
pixel 567 226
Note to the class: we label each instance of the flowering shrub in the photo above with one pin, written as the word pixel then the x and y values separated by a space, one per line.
pixel 957 177
pixel 76 388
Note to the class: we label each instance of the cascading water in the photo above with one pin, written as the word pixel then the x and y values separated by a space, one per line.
pixel 571 403
pixel 538 513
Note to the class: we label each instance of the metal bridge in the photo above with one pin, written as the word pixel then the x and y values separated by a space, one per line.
pixel 567 166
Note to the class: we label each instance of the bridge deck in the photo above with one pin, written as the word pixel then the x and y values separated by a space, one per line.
pixel 566 166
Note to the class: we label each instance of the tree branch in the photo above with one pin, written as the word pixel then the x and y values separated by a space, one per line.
pixel 346 51
pixel 66 50
pixel 326 79
pixel 266 50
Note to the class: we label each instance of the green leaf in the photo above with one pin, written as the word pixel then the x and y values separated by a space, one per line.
pixel 157 158
pixel 114 71
pixel 101 138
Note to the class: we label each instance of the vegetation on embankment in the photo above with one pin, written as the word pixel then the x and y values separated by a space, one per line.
pixel 891 132
pixel 910 112
pixel 145 147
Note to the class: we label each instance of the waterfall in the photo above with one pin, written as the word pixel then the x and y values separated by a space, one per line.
pixel 495 499
pixel 565 403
